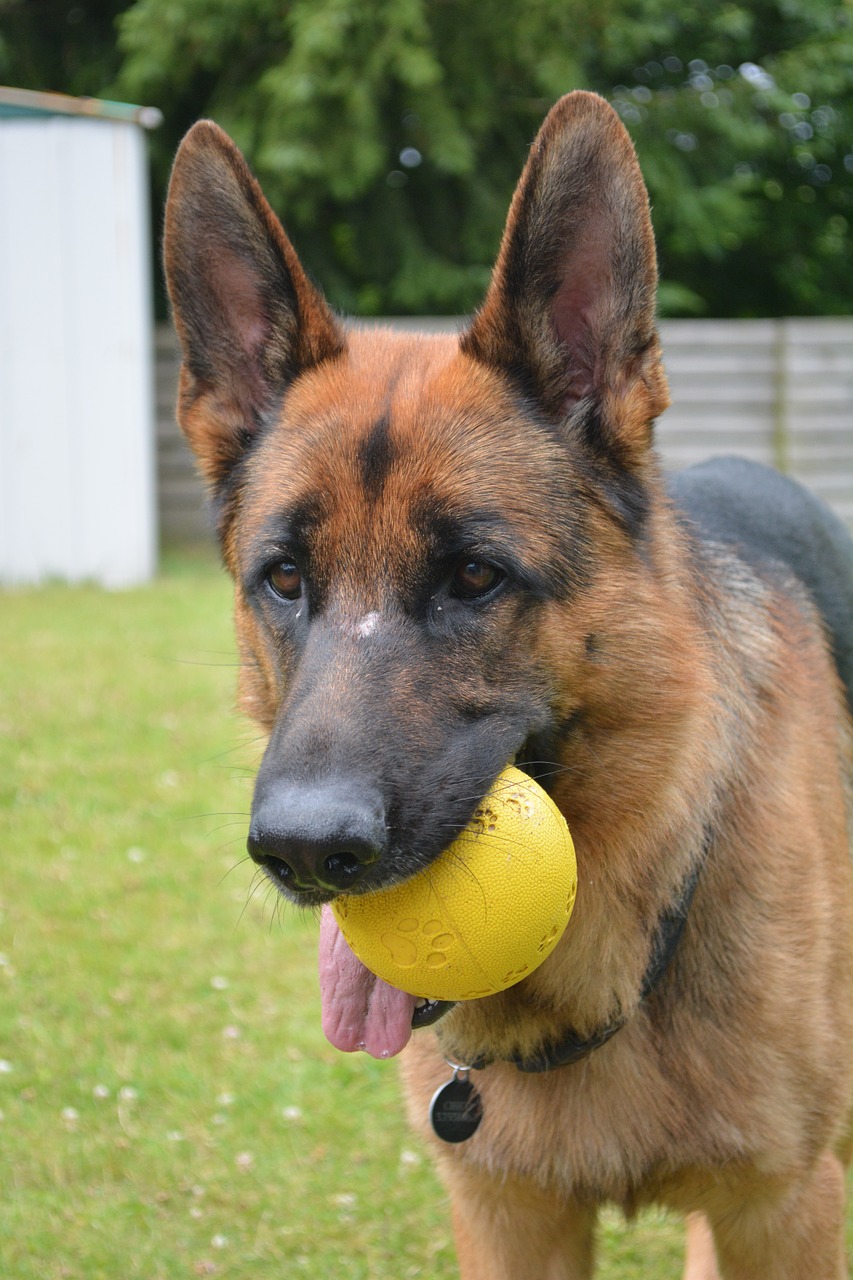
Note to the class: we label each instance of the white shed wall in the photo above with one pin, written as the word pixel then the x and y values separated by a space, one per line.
pixel 77 494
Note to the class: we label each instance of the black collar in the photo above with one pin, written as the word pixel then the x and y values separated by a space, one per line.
pixel 667 936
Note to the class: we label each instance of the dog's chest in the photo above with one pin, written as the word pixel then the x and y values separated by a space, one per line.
pixel 613 1128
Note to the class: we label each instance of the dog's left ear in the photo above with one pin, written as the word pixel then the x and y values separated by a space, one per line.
pixel 570 312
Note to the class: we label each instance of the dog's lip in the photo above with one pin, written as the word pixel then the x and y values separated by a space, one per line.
pixel 428 1012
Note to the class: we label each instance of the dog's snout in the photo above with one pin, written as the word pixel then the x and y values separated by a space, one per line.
pixel 317 839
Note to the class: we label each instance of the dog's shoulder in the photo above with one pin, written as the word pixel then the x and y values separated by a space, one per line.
pixel 769 520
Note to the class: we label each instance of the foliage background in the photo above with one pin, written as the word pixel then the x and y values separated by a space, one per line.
pixel 389 133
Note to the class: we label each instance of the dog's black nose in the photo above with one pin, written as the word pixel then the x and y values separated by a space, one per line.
pixel 323 838
pixel 311 864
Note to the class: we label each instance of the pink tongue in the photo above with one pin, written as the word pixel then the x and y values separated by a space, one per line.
pixel 360 1011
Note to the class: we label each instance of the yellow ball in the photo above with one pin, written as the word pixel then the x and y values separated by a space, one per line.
pixel 485 914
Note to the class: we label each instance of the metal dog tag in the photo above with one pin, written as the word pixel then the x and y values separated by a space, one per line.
pixel 456 1108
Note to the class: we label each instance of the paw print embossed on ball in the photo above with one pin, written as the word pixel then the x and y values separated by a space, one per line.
pixel 485 914
pixel 411 943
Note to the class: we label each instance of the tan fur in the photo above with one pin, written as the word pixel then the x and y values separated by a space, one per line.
pixel 692 700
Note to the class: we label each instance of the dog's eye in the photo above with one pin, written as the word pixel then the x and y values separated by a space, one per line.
pixel 475 578
pixel 285 580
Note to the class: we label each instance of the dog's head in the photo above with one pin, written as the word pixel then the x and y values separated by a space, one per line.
pixel 411 521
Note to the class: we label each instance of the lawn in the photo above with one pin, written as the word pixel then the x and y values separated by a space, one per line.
pixel 168 1105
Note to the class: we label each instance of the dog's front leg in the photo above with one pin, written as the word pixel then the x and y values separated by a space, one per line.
pixel 510 1230
pixel 795 1234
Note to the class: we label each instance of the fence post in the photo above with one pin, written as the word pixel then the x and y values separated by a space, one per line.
pixel 781 441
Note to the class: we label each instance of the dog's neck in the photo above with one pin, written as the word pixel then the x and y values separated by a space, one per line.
pixel 670 927
pixel 572 1047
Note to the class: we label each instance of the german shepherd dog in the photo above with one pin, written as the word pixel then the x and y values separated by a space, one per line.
pixel 452 553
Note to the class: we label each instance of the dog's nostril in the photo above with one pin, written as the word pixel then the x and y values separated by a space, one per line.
pixel 282 870
pixel 308 865
pixel 343 869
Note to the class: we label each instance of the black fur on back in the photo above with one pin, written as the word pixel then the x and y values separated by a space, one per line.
pixel 768 518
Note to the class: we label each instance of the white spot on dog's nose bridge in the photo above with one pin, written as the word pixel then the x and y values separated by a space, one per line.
pixel 363 627
pixel 368 624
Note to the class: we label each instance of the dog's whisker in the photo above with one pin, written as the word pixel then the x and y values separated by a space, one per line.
pixel 241 862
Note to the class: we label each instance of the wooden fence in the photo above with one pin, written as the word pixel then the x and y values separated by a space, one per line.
pixel 778 391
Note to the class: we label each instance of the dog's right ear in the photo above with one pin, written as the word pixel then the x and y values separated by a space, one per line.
pixel 248 319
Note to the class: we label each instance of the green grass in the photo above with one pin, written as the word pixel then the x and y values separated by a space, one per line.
pixel 169 1105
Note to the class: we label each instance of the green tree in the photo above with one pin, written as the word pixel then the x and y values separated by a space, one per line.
pixel 745 134
pixel 64 46
pixel 389 133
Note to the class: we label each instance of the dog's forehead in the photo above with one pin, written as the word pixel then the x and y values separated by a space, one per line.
pixel 400 428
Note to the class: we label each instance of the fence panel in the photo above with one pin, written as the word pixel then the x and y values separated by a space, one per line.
pixel 777 391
